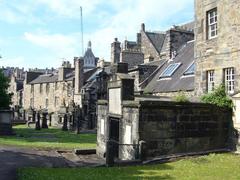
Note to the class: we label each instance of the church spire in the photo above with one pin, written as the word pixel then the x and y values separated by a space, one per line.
pixel 89 44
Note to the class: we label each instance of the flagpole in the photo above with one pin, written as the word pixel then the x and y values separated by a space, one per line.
pixel 81 14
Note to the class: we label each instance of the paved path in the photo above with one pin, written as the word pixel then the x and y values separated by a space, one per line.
pixel 12 158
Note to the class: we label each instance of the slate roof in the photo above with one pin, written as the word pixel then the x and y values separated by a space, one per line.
pixel 177 82
pixel 45 78
pixel 157 40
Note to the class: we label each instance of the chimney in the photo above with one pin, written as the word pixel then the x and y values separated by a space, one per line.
pixel 143 27
pixel 78 63
pixel 115 51
pixel 119 68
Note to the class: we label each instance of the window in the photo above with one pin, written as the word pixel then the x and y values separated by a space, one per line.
pixel 168 72
pixel 212 23
pixel 190 70
pixel 32 88
pixel 46 103
pixel 229 80
pixel 40 90
pixel 47 88
pixel 210 81
pixel 56 85
pixel 56 101
pixel 102 126
pixel 31 102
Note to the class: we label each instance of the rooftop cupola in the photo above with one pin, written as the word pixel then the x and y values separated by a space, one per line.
pixel 89 44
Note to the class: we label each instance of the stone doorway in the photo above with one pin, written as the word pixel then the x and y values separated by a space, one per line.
pixel 114 134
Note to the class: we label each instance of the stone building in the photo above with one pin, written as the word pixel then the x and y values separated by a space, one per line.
pixel 52 91
pixel 90 61
pixel 140 127
pixel 155 53
pixel 174 75
pixel 152 46
pixel 217 34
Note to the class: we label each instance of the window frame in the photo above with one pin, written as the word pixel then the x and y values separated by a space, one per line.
pixel 40 88
pixel 229 80
pixel 210 81
pixel 162 76
pixel 212 23
pixel 190 74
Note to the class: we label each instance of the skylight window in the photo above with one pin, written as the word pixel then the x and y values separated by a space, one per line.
pixel 190 70
pixel 168 72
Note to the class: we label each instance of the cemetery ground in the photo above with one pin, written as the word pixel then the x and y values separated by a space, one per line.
pixel 213 166
pixel 51 138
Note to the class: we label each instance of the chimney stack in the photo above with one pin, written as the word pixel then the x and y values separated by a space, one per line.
pixel 143 27
pixel 78 63
pixel 115 51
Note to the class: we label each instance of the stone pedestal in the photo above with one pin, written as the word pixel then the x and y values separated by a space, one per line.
pixel 6 117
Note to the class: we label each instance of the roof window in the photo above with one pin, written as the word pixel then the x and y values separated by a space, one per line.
pixel 168 72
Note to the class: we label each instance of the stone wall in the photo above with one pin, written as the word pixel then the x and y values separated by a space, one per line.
pixel 148 48
pixel 169 128
pixel 128 148
pixel 132 57
pixel 188 94
pixel 177 38
pixel 102 124
pixel 220 52
pixel 57 91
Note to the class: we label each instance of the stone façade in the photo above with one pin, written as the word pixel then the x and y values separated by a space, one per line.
pixel 222 51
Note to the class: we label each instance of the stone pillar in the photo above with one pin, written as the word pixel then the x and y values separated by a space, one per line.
pixel 115 51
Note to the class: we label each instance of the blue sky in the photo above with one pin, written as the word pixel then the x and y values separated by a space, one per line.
pixel 41 33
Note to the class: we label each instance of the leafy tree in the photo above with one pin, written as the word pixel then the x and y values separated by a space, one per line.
pixel 5 97
pixel 218 97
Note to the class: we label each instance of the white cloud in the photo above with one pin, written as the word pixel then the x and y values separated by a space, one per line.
pixel 13 61
pixel 54 42
pixel 128 18
pixel 109 19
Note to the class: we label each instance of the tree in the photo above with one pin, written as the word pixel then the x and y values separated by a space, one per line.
pixel 218 97
pixel 5 97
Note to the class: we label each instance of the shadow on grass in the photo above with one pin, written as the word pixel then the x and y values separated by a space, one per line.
pixel 28 135
pixel 11 160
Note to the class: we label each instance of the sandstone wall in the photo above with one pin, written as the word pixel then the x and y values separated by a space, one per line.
pixel 169 128
pixel 220 52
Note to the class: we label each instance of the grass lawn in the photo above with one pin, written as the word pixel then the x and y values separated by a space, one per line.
pixel 212 167
pixel 48 139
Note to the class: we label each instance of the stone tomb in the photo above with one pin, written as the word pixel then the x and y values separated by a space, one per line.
pixel 146 129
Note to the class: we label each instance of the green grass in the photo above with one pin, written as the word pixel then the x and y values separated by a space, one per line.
pixel 48 139
pixel 212 167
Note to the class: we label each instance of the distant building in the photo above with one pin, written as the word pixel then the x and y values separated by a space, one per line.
pixel 90 61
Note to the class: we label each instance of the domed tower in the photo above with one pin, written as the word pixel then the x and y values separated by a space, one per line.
pixel 90 61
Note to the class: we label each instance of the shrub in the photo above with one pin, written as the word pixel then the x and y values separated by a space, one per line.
pixel 5 97
pixel 218 97
pixel 181 97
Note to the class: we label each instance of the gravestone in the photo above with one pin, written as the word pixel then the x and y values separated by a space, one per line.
pixel 44 118
pixel 65 123
pixel 37 125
